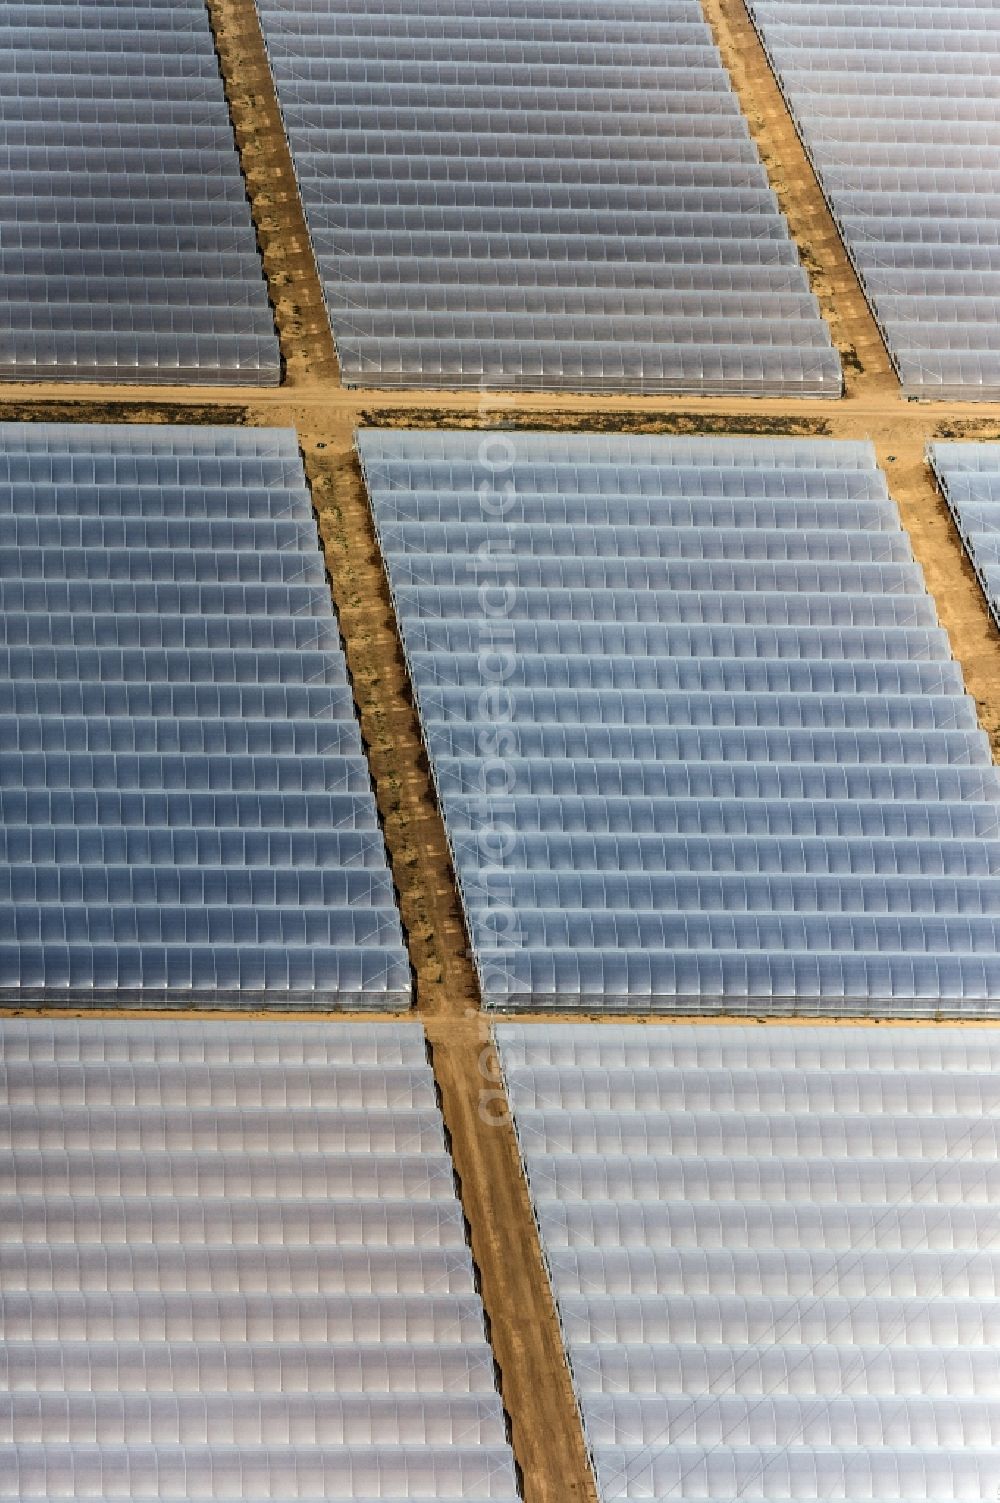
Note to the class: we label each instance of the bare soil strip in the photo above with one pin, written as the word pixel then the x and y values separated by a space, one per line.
pixel 949 575
pixel 545 1427
pixel 49 401
pixel 296 295
pixel 413 828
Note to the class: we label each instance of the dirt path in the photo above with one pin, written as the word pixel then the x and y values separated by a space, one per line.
pixel 296 295
pixel 545 1431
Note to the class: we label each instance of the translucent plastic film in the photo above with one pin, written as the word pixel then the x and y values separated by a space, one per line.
pixel 698 738
pixel 897 110
pixel 554 197
pixel 773 1253
pixel 969 476
pixel 127 250
pixel 186 814
pixel 232 1256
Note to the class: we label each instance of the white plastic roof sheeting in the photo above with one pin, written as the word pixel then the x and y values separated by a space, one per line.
pixel 127 250
pixel 557 194
pixel 233 1265
pixel 773 1252
pixel 698 737
pixel 186 813
pixel 969 477
pixel 897 107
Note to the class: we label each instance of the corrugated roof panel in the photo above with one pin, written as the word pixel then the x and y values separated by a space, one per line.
pixel 772 1252
pixel 699 740
pixel 232 1262
pixel 186 814
pixel 555 196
